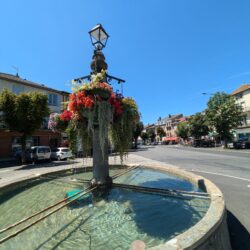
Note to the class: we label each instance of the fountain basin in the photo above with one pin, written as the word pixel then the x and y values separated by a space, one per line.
pixel 164 239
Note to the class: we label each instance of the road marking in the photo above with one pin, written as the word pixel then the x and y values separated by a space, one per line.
pixel 224 175
pixel 248 186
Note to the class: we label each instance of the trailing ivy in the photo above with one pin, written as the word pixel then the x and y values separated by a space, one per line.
pixel 104 119
pixel 122 127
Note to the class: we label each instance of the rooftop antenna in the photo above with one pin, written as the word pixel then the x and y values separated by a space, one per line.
pixel 17 70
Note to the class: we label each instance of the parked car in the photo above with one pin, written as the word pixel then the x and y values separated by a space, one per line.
pixel 40 153
pixel 34 154
pixel 230 145
pixel 241 143
pixel 62 153
pixel 17 154
pixel 203 143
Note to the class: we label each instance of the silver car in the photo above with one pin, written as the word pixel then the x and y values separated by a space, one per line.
pixel 40 153
pixel 61 153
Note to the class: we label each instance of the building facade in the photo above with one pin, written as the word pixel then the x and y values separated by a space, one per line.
pixel 169 125
pixel 242 96
pixel 56 102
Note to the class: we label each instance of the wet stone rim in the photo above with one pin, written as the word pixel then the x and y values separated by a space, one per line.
pixel 211 231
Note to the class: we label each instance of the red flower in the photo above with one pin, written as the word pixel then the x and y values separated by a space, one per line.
pixel 73 103
pixel 66 115
pixel 115 101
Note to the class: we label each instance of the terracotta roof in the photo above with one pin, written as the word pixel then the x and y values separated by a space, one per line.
pixel 242 88
pixel 17 79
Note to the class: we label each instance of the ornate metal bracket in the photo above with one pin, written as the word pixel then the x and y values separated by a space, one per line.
pixel 109 79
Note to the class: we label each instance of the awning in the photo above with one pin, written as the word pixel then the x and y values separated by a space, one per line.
pixel 170 138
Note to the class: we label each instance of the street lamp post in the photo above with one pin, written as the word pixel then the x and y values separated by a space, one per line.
pixel 101 176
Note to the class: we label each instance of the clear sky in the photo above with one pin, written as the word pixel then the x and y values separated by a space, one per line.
pixel 169 52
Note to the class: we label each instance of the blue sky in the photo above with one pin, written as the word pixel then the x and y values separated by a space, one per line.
pixel 169 52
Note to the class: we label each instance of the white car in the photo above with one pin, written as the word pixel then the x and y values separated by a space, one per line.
pixel 61 153
pixel 40 153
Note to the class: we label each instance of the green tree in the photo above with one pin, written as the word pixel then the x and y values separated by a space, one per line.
pixel 183 130
pixel 224 114
pixel 160 132
pixel 151 134
pixel 198 125
pixel 144 137
pixel 137 132
pixel 23 113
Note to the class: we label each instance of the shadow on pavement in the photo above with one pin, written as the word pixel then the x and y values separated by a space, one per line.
pixel 8 163
pixel 240 237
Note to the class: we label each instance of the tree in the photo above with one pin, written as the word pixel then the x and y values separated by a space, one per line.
pixel 198 125
pixel 151 134
pixel 224 114
pixel 160 132
pixel 144 137
pixel 23 113
pixel 137 132
pixel 183 130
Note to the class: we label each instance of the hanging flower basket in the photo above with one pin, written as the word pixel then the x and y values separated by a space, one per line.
pixel 103 93
pixel 96 104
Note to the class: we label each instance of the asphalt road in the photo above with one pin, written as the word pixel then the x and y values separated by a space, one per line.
pixel 228 169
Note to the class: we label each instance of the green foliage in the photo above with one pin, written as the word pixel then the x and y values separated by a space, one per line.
pixel 144 136
pixel 138 129
pixel 25 112
pixel 61 125
pixel 160 132
pixel 122 128
pixel 183 130
pixel 72 137
pixel 137 132
pixel 86 140
pixel 224 114
pixel 198 125
pixel 151 134
pixel 104 118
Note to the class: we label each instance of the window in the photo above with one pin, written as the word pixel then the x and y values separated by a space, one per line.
pixel 17 89
pixel 53 99
pixel 45 123
pixel 40 150
pixel 239 95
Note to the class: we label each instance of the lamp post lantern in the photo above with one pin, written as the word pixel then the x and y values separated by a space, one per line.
pixel 98 36
pixel 99 39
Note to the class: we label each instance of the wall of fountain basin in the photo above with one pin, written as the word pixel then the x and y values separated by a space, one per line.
pixel 123 219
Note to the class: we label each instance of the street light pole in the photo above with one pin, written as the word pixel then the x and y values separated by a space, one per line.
pixel 98 64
